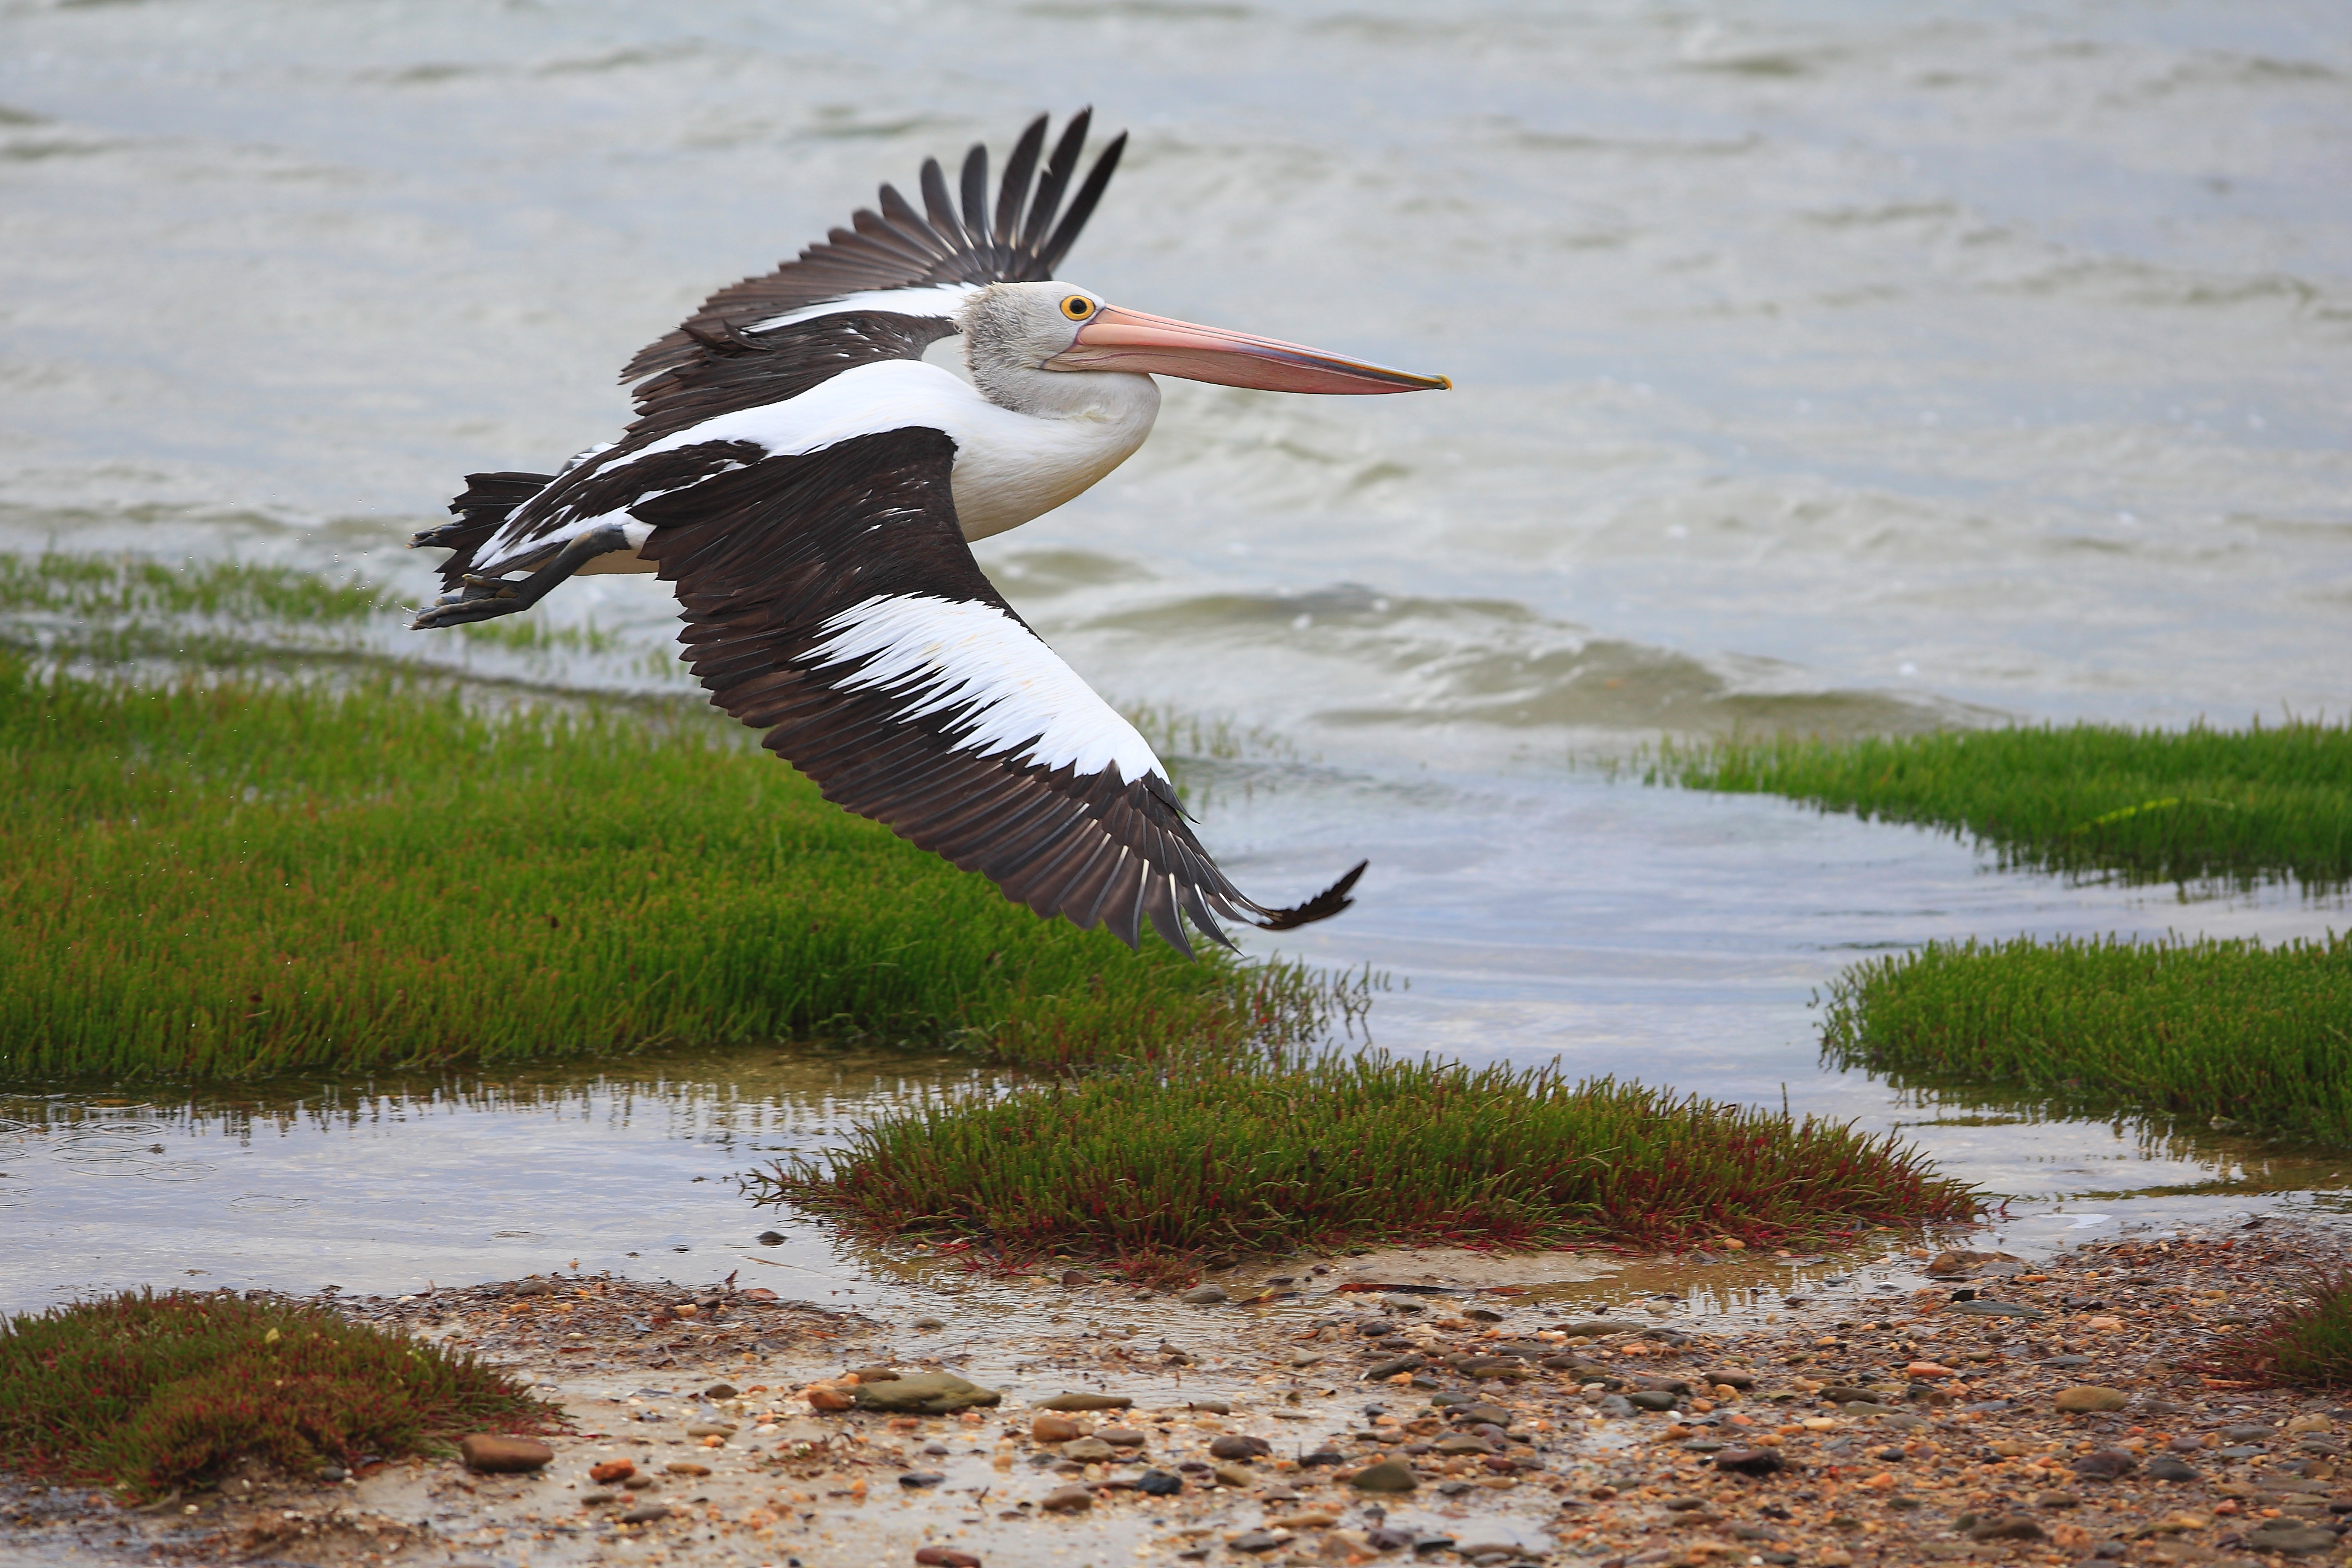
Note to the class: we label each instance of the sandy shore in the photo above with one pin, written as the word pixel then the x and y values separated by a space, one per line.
pixel 1888 1415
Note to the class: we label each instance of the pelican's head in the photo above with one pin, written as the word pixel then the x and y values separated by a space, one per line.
pixel 1013 330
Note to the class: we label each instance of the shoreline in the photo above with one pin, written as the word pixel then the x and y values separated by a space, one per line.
pixel 1543 1474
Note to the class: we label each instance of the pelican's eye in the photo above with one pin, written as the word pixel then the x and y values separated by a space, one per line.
pixel 1077 307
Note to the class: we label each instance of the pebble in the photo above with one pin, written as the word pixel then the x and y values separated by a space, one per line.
pixel 1067 1500
pixel 612 1470
pixel 1750 1461
pixel 1159 1483
pixel 2165 1468
pixel 503 1456
pixel 945 1557
pixel 915 1480
pixel 646 1513
pixel 685 1467
pixel 2007 1526
pixel 769 1238
pixel 1052 1428
pixel 1648 1399
pixel 1121 1436
pixel 1205 1296
pixel 1460 1445
pixel 825 1396
pixel 1237 1476
pixel 332 1473
pixel 2089 1398
pixel 1254 1541
pixel 1388 1476
pixel 2294 1540
pixel 928 1393
pixel 1233 1445
pixel 2310 1424
pixel 1093 1402
pixel 1391 1368
pixel 1615 1404
pixel 1088 1451
pixel 720 1391
pixel 2104 1467
pixel 927 1326
pixel 710 1428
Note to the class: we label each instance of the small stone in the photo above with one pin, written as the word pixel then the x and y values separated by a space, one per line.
pixel 945 1557
pixel 1088 1451
pixel 2006 1527
pixel 2301 1424
pixel 1461 1445
pixel 1322 1457
pixel 639 1483
pixel 2165 1468
pixel 927 1326
pixel 1313 1519
pixel 2056 1499
pixel 503 1456
pixel 1380 1371
pixel 1205 1296
pixel 915 1480
pixel 1750 1461
pixel 2248 1431
pixel 685 1467
pixel 1742 1381
pixel 1052 1428
pixel 646 1513
pixel 1388 1476
pixel 1237 1476
pixel 1615 1404
pixel 1649 1399
pixel 1122 1437
pixel 1089 1402
pixel 1159 1483
pixel 2293 1539
pixel 1996 1310
pixel 2107 1466
pixel 926 1394
pixel 2089 1398
pixel 769 1238
pixel 720 1391
pixel 1233 1445
pixel 332 1473
pixel 709 1429
pixel 874 1373
pixel 612 1470
pixel 825 1396
pixel 1254 1541
pixel 1206 1406
pixel 1067 1500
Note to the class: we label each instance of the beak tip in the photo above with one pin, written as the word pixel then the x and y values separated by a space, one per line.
pixel 1445 384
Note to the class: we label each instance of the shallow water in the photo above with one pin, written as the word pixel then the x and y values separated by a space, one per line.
pixel 1817 364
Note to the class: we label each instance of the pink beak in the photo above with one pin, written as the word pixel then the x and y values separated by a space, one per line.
pixel 1154 345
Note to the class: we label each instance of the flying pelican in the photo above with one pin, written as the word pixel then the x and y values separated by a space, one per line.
pixel 812 486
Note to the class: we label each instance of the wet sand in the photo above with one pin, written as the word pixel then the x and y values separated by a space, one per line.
pixel 1893 1426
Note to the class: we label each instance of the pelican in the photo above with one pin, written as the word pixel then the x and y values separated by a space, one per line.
pixel 811 483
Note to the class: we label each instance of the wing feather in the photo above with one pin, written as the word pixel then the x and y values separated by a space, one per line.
pixel 830 599
pixel 898 247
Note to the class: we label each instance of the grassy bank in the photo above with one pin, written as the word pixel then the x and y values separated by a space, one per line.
pixel 1155 1169
pixel 154 1392
pixel 2262 1036
pixel 229 877
pixel 2267 803
pixel 2307 1344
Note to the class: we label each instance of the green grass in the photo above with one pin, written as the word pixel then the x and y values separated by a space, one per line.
pixel 1154 1170
pixel 155 1393
pixel 2261 1035
pixel 2267 803
pixel 2307 1345
pixel 228 877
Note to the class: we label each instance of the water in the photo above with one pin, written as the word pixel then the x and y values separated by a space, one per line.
pixel 1825 364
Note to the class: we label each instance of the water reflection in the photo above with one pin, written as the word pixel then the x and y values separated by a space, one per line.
pixel 384 1184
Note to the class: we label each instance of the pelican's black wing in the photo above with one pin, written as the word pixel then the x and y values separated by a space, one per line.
pixel 830 599
pixel 1015 238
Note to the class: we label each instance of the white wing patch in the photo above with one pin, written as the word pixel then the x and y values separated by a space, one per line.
pixel 941 299
pixel 1006 690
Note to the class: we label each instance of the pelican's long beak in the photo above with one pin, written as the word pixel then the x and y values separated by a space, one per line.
pixel 1154 345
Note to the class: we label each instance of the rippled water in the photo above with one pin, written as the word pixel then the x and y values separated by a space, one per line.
pixel 1849 367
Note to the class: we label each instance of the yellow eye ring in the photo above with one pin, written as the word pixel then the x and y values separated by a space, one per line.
pixel 1077 307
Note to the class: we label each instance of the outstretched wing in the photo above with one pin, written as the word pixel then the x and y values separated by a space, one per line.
pixel 943 251
pixel 830 600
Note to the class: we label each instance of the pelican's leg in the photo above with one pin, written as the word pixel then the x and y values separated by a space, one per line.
pixel 483 598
